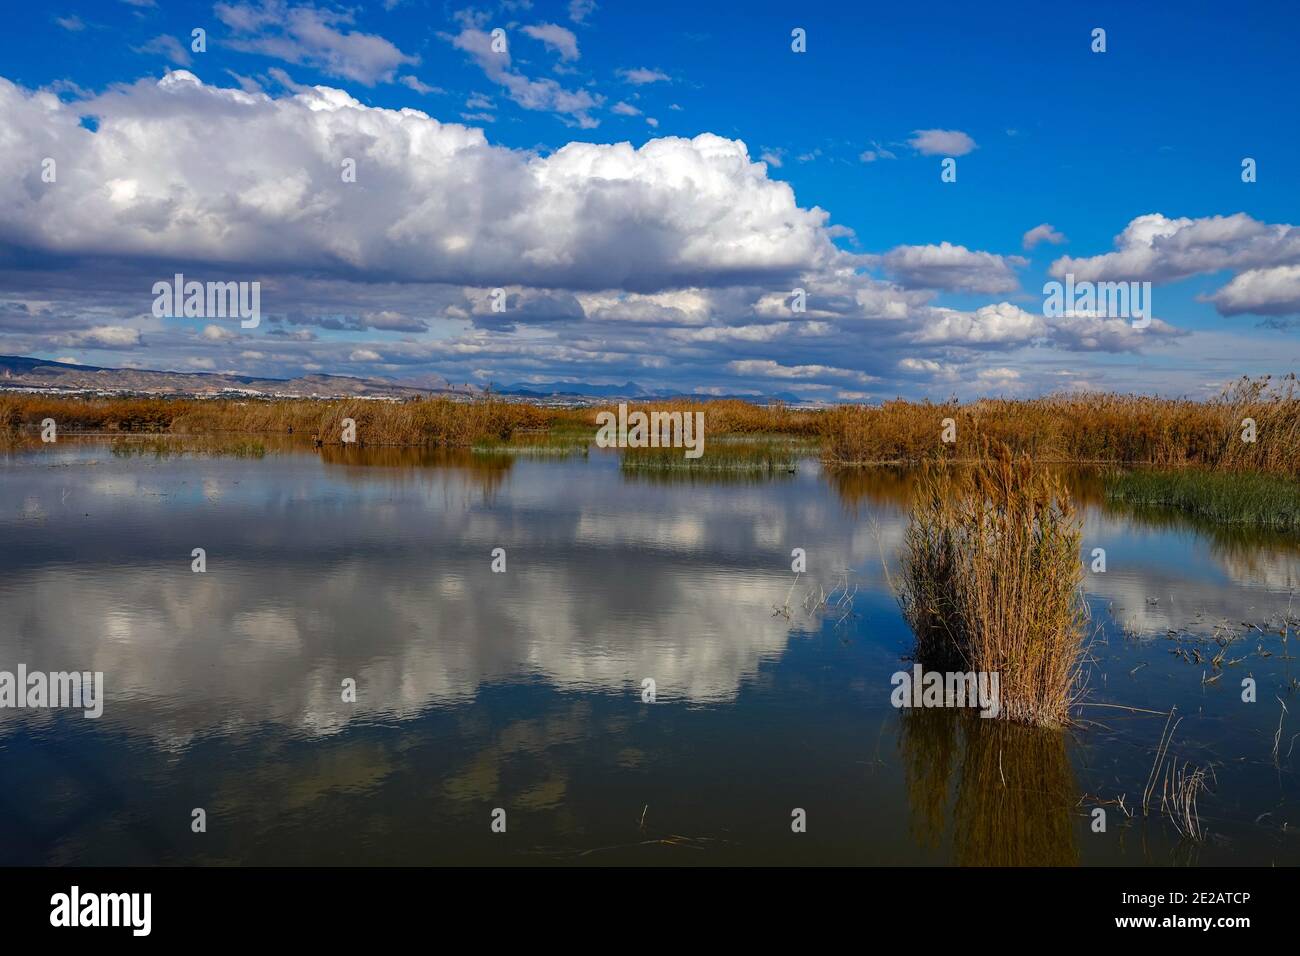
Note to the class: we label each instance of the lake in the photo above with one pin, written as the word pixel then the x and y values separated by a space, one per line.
pixel 523 689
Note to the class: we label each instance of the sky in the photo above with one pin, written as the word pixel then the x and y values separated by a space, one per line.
pixel 540 191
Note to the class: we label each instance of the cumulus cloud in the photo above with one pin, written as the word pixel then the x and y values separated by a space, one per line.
pixel 953 268
pixel 1273 291
pixel 1042 233
pixel 1000 324
pixel 941 142
pixel 926 368
pixel 439 204
pixel 1090 333
pixel 687 307
pixel 1004 326
pixel 1156 248
pixel 673 262
pixel 313 36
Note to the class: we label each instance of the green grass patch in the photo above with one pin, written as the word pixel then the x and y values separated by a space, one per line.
pixel 172 448
pixel 1253 500
pixel 756 459
pixel 537 444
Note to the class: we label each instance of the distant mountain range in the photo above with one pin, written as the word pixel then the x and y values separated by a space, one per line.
pixel 27 374
pixel 32 374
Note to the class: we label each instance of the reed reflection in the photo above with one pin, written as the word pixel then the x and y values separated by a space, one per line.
pixel 1012 790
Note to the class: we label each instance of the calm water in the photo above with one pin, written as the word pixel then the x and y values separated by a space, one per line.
pixel 522 690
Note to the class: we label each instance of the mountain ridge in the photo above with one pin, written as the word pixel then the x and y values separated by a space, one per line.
pixel 26 373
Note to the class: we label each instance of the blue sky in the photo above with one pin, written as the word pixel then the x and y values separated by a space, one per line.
pixel 670 263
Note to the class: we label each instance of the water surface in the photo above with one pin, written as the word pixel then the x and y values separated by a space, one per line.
pixel 522 690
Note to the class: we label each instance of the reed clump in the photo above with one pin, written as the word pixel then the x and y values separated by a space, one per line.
pixel 992 581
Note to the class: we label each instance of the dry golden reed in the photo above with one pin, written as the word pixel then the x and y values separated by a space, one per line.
pixel 1110 428
pixel 1096 427
pixel 992 581
pixel 724 416
pixel 433 421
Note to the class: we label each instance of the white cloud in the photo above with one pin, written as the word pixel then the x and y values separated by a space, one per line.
pixel 641 76
pixel 1273 291
pixel 1085 333
pixel 671 263
pixel 941 142
pixel 103 337
pixel 414 83
pixel 998 324
pixel 439 204
pixel 927 368
pixel 556 38
pixel 767 368
pixel 544 95
pixel 953 268
pixel 312 36
pixel 217 333
pixel 1158 249
pixel 1000 376
pixel 1042 233
pixel 1004 325
pixel 579 10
